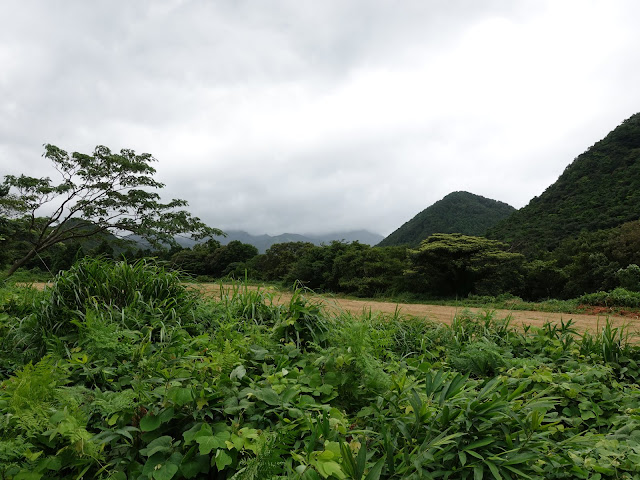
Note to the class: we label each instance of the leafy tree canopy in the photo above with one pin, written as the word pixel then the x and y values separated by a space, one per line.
pixel 462 264
pixel 110 191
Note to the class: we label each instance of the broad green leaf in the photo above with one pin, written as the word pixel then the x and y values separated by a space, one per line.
pixel 198 430
pixel 152 463
pixel 166 471
pixel 586 415
pixel 222 460
pixel 149 423
pixel 160 444
pixel 181 395
pixel 315 381
pixel 192 464
pixel 268 396
pixel 166 415
pixel 238 373
pixel 326 469
pixel 28 476
pixel 210 442
pixel 50 463
pixel 325 455
pixel 235 442
pixel 310 474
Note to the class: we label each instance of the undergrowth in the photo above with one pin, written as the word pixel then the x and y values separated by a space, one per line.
pixel 117 371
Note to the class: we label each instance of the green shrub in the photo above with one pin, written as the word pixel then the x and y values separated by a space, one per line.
pixel 620 297
pixel 480 359
pixel 629 277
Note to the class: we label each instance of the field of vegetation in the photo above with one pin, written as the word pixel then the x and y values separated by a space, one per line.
pixel 118 371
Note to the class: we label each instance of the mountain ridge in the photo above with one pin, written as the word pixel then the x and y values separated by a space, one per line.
pixel 599 189
pixel 264 241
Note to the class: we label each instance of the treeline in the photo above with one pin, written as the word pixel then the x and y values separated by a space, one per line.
pixel 443 266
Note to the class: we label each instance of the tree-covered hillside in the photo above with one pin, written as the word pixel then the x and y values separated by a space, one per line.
pixel 600 189
pixel 458 212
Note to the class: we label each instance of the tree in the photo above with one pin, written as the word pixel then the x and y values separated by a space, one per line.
pixel 278 260
pixel 109 191
pixel 196 260
pixel 366 271
pixel 629 277
pixel 226 258
pixel 455 264
pixel 543 279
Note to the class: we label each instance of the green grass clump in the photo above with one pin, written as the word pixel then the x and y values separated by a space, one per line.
pixel 98 284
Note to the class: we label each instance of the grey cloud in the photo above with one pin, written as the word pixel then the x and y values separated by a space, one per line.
pixel 308 116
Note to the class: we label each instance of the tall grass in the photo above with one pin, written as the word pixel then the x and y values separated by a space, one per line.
pixel 141 296
pixel 143 286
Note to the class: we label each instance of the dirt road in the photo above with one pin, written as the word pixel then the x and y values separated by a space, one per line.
pixel 441 313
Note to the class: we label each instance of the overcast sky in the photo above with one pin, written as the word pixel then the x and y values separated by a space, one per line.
pixel 313 116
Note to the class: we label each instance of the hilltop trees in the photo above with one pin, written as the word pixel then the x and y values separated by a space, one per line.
pixel 109 191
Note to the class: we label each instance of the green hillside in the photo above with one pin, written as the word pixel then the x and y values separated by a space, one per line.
pixel 600 189
pixel 458 212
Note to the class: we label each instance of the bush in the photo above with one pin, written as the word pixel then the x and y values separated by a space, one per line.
pixel 142 288
pixel 620 297
pixel 629 277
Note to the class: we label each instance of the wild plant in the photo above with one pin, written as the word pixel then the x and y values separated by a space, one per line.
pixel 240 302
pixel 19 301
pixel 416 337
pixel 614 345
pixel 480 358
pixel 302 322
pixel 143 286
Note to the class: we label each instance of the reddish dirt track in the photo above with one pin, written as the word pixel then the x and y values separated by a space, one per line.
pixel 441 313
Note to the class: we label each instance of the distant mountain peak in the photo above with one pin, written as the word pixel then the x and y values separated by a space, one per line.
pixel 457 212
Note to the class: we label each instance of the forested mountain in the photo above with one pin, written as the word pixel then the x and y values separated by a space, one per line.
pixel 599 190
pixel 458 212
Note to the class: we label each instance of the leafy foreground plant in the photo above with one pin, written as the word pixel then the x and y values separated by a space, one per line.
pixel 245 389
